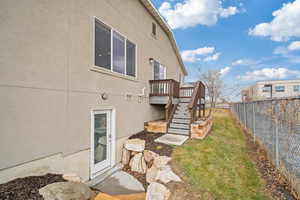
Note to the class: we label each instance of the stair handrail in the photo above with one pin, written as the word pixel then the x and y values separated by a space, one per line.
pixel 194 100
pixel 170 111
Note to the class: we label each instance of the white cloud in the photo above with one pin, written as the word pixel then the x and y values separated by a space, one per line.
pixel 245 62
pixel 281 50
pixel 213 57
pixel 194 55
pixel 284 26
pixel 287 52
pixel 294 46
pixel 190 13
pixel 270 73
pixel 226 12
pixel 224 71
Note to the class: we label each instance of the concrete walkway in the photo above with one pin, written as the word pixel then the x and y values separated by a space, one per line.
pixel 120 183
pixel 172 139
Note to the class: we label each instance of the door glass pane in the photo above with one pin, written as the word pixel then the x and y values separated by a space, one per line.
pixel 118 53
pixel 100 138
pixel 156 70
pixel 102 45
pixel 130 58
pixel 162 72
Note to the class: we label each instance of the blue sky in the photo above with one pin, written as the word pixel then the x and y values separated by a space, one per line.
pixel 246 40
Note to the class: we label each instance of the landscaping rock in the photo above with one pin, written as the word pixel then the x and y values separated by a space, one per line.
pixel 125 156
pixel 72 178
pixel 66 191
pixel 161 161
pixel 137 145
pixel 138 163
pixel 157 191
pixel 165 175
pixel 150 155
pixel 151 174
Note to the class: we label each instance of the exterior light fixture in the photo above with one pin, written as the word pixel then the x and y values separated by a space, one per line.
pixel 151 61
pixel 104 96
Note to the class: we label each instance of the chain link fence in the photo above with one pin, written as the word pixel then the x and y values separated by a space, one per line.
pixel 275 124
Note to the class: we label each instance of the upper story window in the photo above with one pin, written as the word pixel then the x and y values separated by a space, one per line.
pixel 153 29
pixel 296 88
pixel 113 51
pixel 279 88
pixel 159 71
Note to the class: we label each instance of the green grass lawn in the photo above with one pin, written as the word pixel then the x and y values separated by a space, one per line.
pixel 219 166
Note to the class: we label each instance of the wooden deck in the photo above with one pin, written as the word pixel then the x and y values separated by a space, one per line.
pixel 168 92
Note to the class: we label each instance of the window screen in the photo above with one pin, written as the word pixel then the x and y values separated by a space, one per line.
pixel 111 50
pixel 118 53
pixel 130 58
pixel 102 45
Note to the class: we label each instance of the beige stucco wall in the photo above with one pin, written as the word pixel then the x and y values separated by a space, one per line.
pixel 47 87
pixel 288 92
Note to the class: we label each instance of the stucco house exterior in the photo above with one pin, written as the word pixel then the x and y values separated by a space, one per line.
pixel 272 89
pixel 74 82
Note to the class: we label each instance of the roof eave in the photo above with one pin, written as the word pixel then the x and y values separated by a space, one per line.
pixel 151 8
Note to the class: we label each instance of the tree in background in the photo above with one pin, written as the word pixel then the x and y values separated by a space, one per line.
pixel 212 79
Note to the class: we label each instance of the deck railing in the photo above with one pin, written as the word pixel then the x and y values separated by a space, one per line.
pixel 186 92
pixel 195 103
pixel 165 87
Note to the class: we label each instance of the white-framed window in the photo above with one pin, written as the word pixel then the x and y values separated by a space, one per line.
pixel 266 89
pixel 113 51
pixel 279 88
pixel 159 71
pixel 296 88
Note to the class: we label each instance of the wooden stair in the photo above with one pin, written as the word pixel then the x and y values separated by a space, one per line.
pixel 136 196
pixel 180 123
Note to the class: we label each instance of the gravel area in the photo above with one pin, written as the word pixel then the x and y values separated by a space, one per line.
pixel 159 148
pixel 28 187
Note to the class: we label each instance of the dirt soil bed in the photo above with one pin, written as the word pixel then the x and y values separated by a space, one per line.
pixel 276 183
pixel 159 148
pixel 28 187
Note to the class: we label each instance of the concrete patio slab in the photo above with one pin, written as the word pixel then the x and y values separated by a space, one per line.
pixel 172 139
pixel 120 183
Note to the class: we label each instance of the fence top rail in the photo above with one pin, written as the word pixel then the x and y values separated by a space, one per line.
pixel 268 100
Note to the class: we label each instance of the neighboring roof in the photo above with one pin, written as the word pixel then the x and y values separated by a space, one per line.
pixel 154 12
pixel 279 81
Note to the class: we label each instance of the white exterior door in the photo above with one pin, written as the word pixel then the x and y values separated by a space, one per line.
pixel 101 141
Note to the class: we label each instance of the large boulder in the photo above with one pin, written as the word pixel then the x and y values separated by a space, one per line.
pixel 66 191
pixel 157 191
pixel 161 161
pixel 137 145
pixel 72 178
pixel 166 175
pixel 151 174
pixel 163 175
pixel 138 164
pixel 150 155
pixel 125 156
